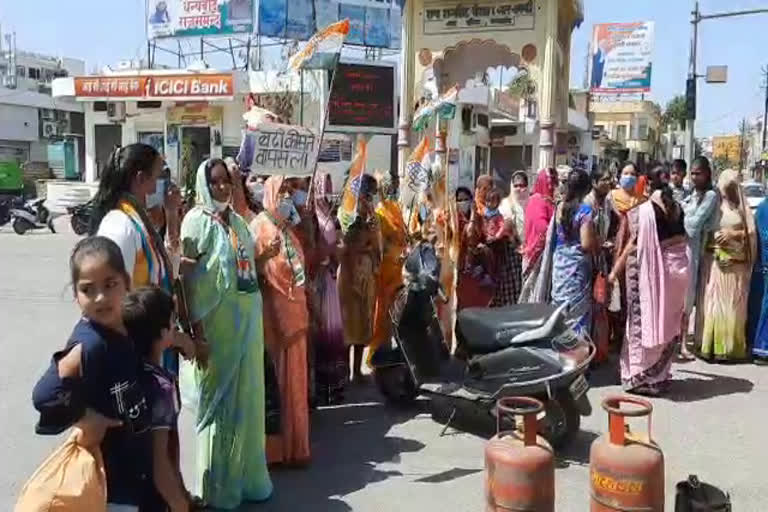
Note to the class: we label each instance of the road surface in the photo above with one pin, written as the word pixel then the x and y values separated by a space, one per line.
pixel 366 457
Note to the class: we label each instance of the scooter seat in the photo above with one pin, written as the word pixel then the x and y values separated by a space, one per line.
pixel 486 330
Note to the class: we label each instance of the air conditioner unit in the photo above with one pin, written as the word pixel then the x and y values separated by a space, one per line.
pixel 116 111
pixel 50 129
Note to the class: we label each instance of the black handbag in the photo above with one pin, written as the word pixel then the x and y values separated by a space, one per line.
pixel 695 496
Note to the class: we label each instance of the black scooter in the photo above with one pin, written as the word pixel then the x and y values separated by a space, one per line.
pixel 523 350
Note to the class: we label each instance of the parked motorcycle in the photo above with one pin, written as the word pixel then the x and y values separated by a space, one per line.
pixel 6 203
pixel 523 350
pixel 80 218
pixel 31 215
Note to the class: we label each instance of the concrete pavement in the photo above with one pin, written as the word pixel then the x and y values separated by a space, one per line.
pixel 367 457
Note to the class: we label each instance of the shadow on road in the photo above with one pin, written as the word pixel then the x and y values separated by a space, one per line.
pixel 703 386
pixel 348 443
pixel 576 453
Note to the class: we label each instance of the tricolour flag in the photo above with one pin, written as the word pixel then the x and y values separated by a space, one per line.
pixel 444 106
pixel 419 168
pixel 348 207
pixel 322 49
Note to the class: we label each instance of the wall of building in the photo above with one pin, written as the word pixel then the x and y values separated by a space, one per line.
pixel 19 123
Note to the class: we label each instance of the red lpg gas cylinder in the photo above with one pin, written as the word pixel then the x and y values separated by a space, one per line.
pixel 519 466
pixel 626 470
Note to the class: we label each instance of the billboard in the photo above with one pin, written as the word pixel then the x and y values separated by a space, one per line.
pixel 375 23
pixel 363 96
pixel 182 18
pixel 621 57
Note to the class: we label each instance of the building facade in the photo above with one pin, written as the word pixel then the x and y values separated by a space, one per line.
pixel 627 130
pixel 42 135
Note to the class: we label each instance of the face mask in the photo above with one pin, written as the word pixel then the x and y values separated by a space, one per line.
pixel 157 198
pixel 628 182
pixel 257 191
pixel 491 213
pixel 465 207
pixel 287 210
pixel 375 198
pixel 299 197
pixel 521 194
pixel 220 206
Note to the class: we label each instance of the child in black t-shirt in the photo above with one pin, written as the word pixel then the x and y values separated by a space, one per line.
pixel 93 384
pixel 147 315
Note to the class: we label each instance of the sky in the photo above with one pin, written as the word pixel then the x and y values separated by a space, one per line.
pixel 115 31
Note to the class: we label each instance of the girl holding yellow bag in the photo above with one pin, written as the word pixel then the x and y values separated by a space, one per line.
pixel 93 386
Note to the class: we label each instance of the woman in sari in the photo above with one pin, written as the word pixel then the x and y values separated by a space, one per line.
pixel 572 261
pixel 286 320
pixel 623 198
pixel 605 224
pixel 359 263
pixel 394 246
pixel 331 355
pixel 759 281
pixel 538 236
pixel 513 210
pixel 471 290
pixel 655 261
pixel 726 297
pixel 225 308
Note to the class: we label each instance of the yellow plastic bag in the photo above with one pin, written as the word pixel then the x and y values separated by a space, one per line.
pixel 72 478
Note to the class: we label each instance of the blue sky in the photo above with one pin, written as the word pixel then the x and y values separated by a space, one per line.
pixel 117 32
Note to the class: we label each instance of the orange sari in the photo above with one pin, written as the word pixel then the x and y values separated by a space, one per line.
pixel 286 322
pixel 390 275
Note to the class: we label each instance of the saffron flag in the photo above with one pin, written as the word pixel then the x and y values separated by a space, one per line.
pixel 322 49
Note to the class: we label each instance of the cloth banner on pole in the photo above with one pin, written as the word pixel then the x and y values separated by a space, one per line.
pixel 283 149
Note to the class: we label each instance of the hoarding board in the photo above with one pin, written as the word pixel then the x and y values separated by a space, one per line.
pixel 375 23
pixel 446 17
pixel 183 18
pixel 363 96
pixel 621 57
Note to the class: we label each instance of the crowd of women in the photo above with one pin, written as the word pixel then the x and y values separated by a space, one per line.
pixel 277 281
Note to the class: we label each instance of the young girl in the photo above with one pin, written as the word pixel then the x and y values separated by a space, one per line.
pixel 147 315
pixel 93 384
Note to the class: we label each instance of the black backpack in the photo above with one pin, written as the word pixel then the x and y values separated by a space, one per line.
pixel 695 496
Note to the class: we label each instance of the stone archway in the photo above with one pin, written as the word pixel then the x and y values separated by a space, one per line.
pixel 461 62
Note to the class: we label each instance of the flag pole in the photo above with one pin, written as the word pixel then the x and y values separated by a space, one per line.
pixel 336 60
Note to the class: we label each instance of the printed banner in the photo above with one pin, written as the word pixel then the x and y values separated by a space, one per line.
pixel 182 18
pixel 202 86
pixel 442 17
pixel 282 149
pixel 375 23
pixel 621 57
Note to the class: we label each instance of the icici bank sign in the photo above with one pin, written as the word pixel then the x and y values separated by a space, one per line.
pixel 203 86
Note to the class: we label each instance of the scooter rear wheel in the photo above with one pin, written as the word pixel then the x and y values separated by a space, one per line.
pixel 21 226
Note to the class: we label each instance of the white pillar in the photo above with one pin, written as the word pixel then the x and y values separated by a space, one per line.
pixel 90 144
pixel 548 88
pixel 406 89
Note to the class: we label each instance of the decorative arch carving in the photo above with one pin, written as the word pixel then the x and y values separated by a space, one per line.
pixel 459 63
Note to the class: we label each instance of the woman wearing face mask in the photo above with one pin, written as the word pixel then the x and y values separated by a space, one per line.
pixel 472 288
pixel 286 318
pixel 359 264
pixel 225 307
pixel 130 183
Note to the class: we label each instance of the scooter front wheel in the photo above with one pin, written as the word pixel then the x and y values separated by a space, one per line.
pixel 561 421
pixel 21 226
pixel 395 384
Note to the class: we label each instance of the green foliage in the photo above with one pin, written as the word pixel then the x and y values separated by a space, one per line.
pixel 675 113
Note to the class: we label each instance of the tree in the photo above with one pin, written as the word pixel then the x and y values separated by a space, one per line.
pixel 675 113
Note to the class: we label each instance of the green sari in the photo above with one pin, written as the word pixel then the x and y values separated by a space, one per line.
pixel 222 293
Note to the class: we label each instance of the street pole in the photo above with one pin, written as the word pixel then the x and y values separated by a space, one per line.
pixel 697 18
pixel 765 111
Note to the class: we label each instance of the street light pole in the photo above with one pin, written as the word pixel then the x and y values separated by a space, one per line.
pixel 697 18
